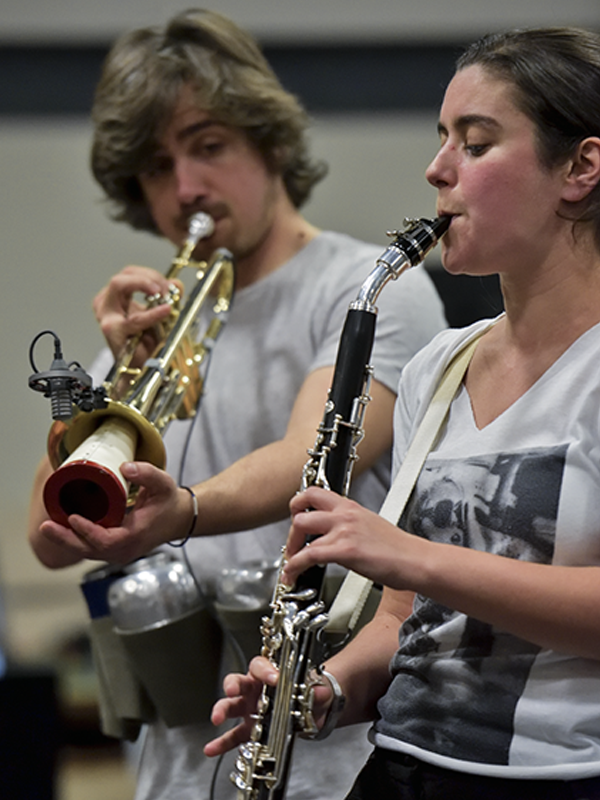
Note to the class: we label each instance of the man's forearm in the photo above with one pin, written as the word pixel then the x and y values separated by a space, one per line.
pixel 254 491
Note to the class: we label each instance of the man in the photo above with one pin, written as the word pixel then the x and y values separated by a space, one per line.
pixel 193 119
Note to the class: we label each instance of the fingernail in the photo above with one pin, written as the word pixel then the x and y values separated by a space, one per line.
pixel 131 469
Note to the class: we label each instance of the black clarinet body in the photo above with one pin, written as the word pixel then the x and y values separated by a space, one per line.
pixel 298 612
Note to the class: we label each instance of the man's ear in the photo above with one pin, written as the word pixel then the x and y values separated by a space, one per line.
pixel 584 170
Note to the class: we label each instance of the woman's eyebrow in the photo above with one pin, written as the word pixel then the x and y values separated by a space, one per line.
pixel 468 121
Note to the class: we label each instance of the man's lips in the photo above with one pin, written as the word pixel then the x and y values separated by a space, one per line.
pixel 216 214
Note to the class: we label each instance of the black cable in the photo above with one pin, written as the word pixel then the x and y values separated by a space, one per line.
pixel 226 633
pixel 57 347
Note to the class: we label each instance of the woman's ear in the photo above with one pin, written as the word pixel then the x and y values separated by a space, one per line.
pixel 584 170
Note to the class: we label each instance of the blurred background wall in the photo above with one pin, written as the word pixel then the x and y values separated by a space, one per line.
pixel 371 74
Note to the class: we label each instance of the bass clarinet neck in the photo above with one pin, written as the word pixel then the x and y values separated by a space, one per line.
pixel 409 248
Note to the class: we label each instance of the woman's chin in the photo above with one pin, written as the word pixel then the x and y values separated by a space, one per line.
pixel 452 265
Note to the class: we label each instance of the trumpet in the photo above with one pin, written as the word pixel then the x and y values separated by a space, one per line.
pixel 96 430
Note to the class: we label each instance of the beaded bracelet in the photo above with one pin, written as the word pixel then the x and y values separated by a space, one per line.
pixel 183 541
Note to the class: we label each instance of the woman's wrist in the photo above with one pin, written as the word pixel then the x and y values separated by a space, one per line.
pixel 335 709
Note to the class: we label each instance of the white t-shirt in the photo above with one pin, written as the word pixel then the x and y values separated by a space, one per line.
pixel 465 695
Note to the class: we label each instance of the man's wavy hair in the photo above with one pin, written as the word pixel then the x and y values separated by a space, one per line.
pixel 555 75
pixel 141 81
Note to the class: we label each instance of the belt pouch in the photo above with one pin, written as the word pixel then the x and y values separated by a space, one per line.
pixel 122 700
pixel 178 663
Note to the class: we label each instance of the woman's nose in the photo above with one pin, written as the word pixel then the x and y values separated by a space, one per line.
pixel 439 172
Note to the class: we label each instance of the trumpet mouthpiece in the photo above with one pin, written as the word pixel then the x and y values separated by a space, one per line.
pixel 200 226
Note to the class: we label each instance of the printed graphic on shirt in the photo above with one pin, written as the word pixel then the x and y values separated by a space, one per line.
pixel 457 680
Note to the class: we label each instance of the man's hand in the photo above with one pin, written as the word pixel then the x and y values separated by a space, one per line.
pixel 162 512
pixel 121 316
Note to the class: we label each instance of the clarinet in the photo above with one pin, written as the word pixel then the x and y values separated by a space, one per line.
pixel 298 612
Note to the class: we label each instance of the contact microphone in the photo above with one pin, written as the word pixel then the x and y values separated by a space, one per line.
pixel 65 384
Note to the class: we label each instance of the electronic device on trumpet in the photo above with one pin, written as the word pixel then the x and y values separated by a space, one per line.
pixel 97 429
pixel 298 612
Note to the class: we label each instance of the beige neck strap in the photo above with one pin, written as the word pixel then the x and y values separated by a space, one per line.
pixel 352 595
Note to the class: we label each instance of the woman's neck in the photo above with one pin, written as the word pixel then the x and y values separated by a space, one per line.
pixel 545 315
pixel 556 303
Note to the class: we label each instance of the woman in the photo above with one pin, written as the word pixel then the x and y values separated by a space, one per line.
pixel 493 573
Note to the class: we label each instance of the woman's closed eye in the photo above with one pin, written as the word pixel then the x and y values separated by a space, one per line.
pixel 476 149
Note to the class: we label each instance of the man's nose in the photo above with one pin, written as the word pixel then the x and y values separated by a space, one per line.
pixel 190 184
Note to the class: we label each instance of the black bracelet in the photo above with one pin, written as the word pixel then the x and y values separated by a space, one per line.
pixel 183 541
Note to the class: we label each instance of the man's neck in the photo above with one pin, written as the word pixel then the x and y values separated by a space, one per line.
pixel 288 234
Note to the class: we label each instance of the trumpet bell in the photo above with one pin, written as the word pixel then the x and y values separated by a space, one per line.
pixel 87 456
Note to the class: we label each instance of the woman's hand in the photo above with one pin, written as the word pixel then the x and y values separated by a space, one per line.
pixel 241 699
pixel 121 316
pixel 162 512
pixel 350 535
pixel 240 702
